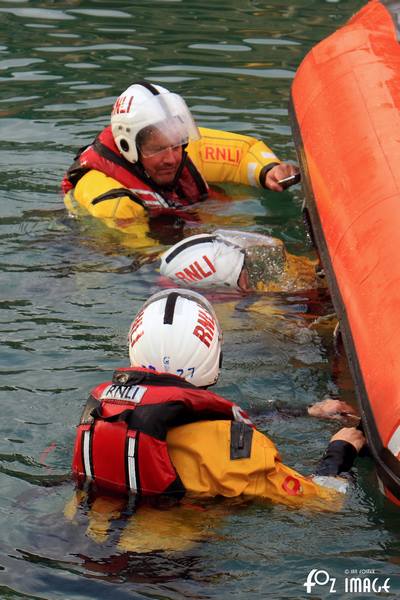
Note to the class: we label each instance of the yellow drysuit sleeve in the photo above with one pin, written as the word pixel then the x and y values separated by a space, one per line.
pixel 201 453
pixel 222 156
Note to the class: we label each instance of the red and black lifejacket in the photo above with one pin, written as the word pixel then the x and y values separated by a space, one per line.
pixel 121 439
pixel 103 155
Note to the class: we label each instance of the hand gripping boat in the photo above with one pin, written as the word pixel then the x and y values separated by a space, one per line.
pixel 345 110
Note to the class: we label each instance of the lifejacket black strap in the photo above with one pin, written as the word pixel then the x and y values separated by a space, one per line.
pixel 113 157
pixel 123 416
pixel 138 419
pixel 125 377
pixel 176 489
pixel 201 184
pixel 76 170
pixel 153 420
pixel 118 193
pixel 75 173
pixel 176 187
pixel 91 404
pixel 156 419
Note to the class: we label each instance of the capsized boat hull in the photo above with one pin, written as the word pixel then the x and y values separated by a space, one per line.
pixel 345 111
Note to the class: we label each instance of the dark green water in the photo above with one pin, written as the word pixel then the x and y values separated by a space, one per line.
pixel 68 296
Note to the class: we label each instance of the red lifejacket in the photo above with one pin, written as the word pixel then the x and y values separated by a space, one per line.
pixel 121 439
pixel 103 155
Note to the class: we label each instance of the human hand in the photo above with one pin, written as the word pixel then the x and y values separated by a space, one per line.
pixel 351 435
pixel 277 173
pixel 332 409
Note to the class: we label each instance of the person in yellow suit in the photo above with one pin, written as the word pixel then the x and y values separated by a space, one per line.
pixel 152 159
pixel 173 435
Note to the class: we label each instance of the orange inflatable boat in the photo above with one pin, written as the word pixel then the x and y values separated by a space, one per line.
pixel 345 110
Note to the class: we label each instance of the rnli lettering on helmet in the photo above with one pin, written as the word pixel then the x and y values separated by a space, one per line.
pixel 222 154
pixel 205 328
pixel 122 105
pixel 134 334
pixel 129 393
pixel 195 271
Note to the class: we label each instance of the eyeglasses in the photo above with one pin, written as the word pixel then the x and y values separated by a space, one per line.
pixel 149 150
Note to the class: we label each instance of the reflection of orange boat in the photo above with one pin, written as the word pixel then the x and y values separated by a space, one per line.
pixel 346 120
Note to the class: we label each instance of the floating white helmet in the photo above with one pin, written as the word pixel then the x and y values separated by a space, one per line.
pixel 202 261
pixel 238 259
pixel 142 106
pixel 177 332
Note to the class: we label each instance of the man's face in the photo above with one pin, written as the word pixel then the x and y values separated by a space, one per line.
pixel 159 159
pixel 243 281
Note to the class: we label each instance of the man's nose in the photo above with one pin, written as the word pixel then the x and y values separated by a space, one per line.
pixel 169 152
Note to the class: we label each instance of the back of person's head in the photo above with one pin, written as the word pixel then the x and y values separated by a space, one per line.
pixel 177 331
pixel 203 261
pixel 146 112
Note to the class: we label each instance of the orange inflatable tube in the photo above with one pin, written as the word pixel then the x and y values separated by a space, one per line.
pixel 345 110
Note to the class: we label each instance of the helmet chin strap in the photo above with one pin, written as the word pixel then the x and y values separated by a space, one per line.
pixel 180 168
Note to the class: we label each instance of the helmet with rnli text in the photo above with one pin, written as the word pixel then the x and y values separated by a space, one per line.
pixel 202 261
pixel 145 111
pixel 177 331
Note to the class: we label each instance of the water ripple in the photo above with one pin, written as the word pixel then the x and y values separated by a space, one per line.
pixel 38 13
pixel 97 12
pixel 254 72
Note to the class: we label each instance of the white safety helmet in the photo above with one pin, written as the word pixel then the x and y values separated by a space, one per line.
pixel 202 261
pixel 177 331
pixel 143 105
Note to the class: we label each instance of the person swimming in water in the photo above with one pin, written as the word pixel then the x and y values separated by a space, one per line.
pixel 153 160
pixel 156 428
pixel 241 260
pixel 156 433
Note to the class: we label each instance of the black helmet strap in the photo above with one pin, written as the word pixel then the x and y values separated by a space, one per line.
pixel 149 87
